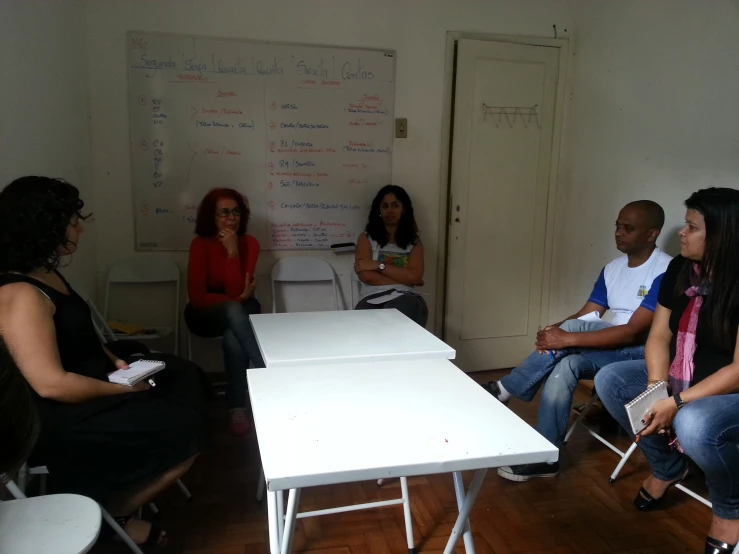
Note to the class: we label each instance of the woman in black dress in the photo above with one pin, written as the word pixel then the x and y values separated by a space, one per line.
pixel 19 423
pixel 118 445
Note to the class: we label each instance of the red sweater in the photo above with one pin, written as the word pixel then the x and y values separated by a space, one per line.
pixel 212 276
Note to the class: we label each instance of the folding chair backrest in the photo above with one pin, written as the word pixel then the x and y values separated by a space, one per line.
pixel 145 269
pixel 303 269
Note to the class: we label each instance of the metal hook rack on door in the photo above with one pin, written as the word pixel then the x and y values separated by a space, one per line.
pixel 528 115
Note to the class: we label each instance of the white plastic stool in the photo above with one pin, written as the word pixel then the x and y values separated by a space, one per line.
pixel 54 524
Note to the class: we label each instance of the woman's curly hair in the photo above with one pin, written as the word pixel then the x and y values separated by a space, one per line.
pixel 34 215
pixel 205 224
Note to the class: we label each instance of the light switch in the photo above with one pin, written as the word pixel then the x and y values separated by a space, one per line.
pixel 401 128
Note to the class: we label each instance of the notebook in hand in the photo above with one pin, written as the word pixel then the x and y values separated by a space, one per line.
pixel 642 404
pixel 136 372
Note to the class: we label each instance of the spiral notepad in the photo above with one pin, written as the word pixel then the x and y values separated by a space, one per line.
pixel 642 403
pixel 136 372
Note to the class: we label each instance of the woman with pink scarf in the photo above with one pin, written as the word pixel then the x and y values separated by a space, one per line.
pixel 693 347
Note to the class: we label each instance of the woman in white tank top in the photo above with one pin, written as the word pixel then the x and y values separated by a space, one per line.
pixel 389 257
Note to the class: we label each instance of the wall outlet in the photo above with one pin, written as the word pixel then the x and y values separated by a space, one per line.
pixel 401 128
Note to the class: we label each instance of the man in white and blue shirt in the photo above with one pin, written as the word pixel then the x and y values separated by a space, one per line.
pixel 579 346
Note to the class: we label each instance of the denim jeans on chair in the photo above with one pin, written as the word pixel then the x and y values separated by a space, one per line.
pixel 412 306
pixel 230 320
pixel 560 374
pixel 707 429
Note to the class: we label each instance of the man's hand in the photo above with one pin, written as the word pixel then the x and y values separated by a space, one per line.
pixel 552 338
pixel 250 285
pixel 120 364
pixel 365 264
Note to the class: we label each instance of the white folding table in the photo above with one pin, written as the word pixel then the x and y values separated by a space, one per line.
pixel 337 423
pixel 342 336
pixel 298 338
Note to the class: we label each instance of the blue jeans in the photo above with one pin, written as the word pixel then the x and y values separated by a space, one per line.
pixel 230 320
pixel 707 429
pixel 562 371
pixel 412 306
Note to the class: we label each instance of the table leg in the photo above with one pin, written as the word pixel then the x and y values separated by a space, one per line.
pixel 407 514
pixel 290 518
pixel 280 517
pixel 464 512
pixel 469 544
pixel 274 539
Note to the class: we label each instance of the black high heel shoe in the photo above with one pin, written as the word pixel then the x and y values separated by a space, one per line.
pixel 645 502
pixel 715 546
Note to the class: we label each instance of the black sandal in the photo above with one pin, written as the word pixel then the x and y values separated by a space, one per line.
pixel 715 546
pixel 645 502
pixel 155 538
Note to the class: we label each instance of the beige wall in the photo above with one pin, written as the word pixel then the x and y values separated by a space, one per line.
pixel 651 113
pixel 43 104
pixel 416 29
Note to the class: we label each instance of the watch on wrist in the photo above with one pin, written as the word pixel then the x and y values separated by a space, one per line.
pixel 381 267
pixel 678 401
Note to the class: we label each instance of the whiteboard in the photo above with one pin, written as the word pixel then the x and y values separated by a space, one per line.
pixel 305 132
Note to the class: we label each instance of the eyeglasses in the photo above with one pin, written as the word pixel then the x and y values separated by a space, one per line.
pixel 225 212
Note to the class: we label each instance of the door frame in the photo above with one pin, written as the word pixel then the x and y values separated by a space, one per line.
pixel 562 105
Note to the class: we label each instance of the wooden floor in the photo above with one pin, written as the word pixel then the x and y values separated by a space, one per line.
pixel 577 512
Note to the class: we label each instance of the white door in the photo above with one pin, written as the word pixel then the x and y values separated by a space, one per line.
pixel 505 98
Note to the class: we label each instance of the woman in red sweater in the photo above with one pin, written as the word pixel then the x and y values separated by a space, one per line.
pixel 221 284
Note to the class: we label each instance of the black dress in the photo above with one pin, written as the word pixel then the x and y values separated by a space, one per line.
pixel 709 355
pixel 116 444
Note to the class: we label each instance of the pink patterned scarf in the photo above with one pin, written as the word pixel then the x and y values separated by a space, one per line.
pixel 682 367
